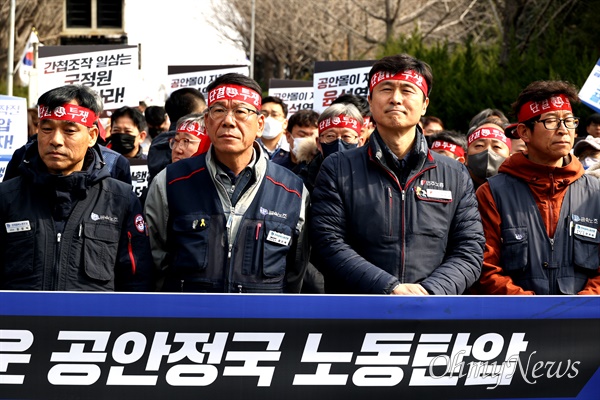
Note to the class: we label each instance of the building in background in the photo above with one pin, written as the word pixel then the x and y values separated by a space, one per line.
pixel 175 33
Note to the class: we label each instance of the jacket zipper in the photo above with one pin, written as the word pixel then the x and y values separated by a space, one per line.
pixel 403 227
pixel 403 209
pixel 131 256
pixel 57 262
pixel 390 210
pixel 551 271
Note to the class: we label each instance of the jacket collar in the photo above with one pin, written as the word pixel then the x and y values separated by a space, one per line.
pixel 258 163
pixel 424 157
pixel 94 169
pixel 543 176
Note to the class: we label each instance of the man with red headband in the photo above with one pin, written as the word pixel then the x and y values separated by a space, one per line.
pixel 229 220
pixel 541 212
pixel 449 143
pixel 393 217
pixel 487 148
pixel 190 137
pixel 65 223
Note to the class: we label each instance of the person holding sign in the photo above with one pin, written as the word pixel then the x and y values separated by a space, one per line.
pixel 229 220
pixel 541 213
pixel 393 217
pixel 65 224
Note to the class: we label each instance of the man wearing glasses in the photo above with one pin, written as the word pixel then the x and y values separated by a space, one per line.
pixel 541 213
pixel 190 138
pixel 229 220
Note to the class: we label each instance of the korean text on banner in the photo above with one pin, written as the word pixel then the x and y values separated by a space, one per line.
pixel 335 78
pixel 199 76
pixel 298 95
pixel 13 128
pixel 111 70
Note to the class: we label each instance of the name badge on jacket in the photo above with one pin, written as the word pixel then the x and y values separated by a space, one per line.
pixel 17 226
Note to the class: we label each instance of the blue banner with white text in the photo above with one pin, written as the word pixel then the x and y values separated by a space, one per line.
pixel 190 346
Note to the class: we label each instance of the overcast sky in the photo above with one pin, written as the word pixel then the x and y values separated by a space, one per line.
pixel 175 32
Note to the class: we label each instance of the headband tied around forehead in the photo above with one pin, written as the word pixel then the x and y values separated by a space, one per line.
pixel 68 112
pixel 341 121
pixel 193 128
pixel 455 149
pixel 407 76
pixel 533 109
pixel 488 133
pixel 235 92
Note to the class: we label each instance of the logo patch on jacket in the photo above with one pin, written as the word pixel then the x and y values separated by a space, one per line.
pixel 437 185
pixel 577 218
pixel 96 217
pixel 264 211
pixel 140 224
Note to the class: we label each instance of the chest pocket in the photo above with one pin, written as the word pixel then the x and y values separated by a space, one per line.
pixel 278 240
pixel 514 249
pixel 191 241
pixel 100 247
pixel 585 249
pixel 433 207
pixel 19 252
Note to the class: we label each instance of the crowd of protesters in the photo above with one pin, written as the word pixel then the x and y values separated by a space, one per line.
pixel 371 196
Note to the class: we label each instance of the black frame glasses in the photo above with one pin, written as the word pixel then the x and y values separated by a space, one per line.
pixel 554 123
pixel 240 114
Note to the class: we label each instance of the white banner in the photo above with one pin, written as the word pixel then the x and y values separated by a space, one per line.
pixel 332 79
pixel 139 175
pixel 298 95
pixel 199 76
pixel 13 128
pixel 111 70
pixel 590 92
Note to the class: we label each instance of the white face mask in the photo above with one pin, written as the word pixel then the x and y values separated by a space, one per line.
pixel 299 143
pixel 273 127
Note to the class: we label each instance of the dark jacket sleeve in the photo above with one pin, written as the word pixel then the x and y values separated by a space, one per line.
pixel 134 270
pixel 12 168
pixel 462 263
pixel 122 170
pixel 297 259
pixel 336 259
pixel 159 154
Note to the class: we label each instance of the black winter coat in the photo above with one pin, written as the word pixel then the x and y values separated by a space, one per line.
pixel 369 233
pixel 84 231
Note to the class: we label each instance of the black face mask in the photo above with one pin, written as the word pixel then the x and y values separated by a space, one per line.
pixel 335 146
pixel 122 143
pixel 484 164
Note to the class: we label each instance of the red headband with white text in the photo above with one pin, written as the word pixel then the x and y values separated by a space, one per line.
pixel 341 121
pixel 193 128
pixel 235 92
pixel 68 112
pixel 533 109
pixel 196 128
pixel 457 150
pixel 488 133
pixel 407 76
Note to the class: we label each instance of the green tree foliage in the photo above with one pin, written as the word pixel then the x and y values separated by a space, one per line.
pixel 469 78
